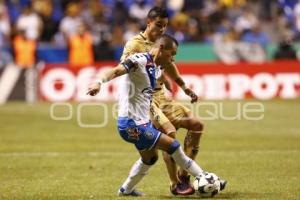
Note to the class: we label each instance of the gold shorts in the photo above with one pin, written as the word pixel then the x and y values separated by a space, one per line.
pixel 165 110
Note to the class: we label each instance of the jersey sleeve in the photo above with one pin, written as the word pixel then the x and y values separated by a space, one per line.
pixel 133 62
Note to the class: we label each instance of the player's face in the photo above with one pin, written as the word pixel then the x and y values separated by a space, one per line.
pixel 157 26
pixel 167 55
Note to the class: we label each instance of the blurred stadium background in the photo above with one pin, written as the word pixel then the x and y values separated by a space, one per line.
pixel 232 52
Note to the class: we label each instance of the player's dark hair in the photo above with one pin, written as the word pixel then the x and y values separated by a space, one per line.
pixel 167 41
pixel 157 12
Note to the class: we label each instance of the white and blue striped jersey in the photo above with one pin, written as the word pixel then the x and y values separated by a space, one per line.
pixel 137 87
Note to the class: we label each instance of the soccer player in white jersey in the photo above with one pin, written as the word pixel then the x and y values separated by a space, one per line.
pixel 140 73
pixel 166 114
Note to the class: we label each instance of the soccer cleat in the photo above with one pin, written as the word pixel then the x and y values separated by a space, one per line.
pixel 184 179
pixel 186 184
pixel 182 189
pixel 222 184
pixel 133 193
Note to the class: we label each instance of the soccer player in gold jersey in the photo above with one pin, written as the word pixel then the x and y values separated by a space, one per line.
pixel 166 114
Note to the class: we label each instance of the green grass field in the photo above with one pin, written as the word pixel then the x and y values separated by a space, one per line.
pixel 41 158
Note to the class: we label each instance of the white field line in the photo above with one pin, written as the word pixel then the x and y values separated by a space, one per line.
pixel 96 154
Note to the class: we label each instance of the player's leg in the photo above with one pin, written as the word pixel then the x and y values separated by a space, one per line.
pixel 137 172
pixel 192 138
pixel 165 126
pixel 181 117
pixel 162 123
pixel 173 148
pixel 191 142
pixel 176 187
pixel 170 164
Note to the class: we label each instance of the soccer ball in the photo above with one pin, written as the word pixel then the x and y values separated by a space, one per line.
pixel 207 185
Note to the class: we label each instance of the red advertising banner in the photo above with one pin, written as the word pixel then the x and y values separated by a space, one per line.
pixel 213 81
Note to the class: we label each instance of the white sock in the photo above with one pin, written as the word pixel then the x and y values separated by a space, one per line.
pixel 186 163
pixel 136 174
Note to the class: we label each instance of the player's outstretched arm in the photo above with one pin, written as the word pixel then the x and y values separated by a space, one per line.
pixel 113 73
pixel 174 74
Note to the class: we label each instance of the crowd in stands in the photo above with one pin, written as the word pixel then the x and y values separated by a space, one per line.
pixel 103 26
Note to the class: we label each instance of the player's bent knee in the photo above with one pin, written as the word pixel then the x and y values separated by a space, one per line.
pixel 151 161
pixel 197 126
pixel 173 147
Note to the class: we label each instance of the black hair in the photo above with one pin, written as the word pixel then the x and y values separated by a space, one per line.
pixel 157 12
pixel 168 41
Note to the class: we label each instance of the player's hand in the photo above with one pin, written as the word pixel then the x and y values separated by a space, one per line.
pixel 94 88
pixel 191 93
